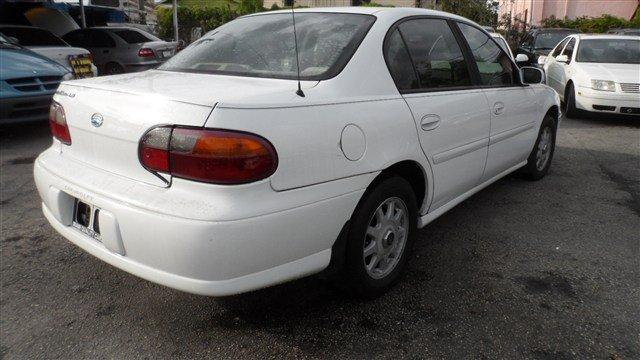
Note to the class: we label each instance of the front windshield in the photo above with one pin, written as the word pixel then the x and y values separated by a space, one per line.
pixel 33 36
pixel 263 46
pixel 611 51
pixel 548 40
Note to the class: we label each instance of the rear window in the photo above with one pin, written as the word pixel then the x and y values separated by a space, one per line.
pixel 263 46
pixel 132 36
pixel 33 36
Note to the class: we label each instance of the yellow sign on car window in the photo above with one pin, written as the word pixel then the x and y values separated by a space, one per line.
pixel 81 66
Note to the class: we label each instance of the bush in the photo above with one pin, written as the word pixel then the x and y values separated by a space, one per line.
pixel 592 25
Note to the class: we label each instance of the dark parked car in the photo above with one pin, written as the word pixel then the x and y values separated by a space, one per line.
pixel 630 31
pixel 539 42
pixel 118 50
pixel 27 83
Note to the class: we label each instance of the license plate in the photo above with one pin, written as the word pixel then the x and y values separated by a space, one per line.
pixel 166 53
pixel 85 219
pixel 81 66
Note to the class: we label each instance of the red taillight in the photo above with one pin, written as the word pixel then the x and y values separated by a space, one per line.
pixel 146 52
pixel 58 123
pixel 207 155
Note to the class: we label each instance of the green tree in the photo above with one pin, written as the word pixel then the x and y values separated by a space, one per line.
pixel 481 11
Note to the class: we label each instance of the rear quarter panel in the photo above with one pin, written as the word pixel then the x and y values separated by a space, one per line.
pixel 308 138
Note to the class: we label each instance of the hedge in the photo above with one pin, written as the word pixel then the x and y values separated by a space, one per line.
pixel 592 24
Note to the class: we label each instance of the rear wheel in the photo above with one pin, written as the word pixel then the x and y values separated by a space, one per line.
pixel 540 158
pixel 379 241
pixel 113 69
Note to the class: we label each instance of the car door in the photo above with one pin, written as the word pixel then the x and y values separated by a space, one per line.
pixel 564 69
pixel 513 113
pixel 553 67
pixel 451 115
pixel 102 47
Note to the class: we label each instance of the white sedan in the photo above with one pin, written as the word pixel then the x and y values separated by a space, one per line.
pixel 596 73
pixel 220 173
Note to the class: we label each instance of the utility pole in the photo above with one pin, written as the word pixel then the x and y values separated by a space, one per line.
pixel 175 21
pixel 83 20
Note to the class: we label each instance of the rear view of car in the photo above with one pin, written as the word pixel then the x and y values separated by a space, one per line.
pixel 75 59
pixel 27 83
pixel 118 50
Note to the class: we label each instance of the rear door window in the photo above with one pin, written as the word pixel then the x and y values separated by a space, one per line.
pixel 399 62
pixel 436 54
pixel 101 39
pixel 494 65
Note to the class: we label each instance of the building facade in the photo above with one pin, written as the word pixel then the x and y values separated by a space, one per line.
pixel 532 12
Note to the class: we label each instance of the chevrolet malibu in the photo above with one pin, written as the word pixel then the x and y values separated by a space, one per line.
pixel 231 167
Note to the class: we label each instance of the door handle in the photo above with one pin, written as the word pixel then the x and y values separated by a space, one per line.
pixel 430 122
pixel 498 108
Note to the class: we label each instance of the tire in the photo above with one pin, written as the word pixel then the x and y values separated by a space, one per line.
pixel 540 158
pixel 113 69
pixel 570 109
pixel 387 234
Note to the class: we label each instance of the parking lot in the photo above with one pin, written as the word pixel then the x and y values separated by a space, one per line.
pixel 547 269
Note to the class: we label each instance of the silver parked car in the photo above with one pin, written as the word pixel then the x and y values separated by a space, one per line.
pixel 117 50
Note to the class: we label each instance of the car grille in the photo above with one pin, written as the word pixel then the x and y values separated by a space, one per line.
pixel 33 84
pixel 630 88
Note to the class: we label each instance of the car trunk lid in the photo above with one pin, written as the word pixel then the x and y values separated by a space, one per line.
pixel 106 127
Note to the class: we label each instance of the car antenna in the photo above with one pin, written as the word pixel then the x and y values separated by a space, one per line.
pixel 295 41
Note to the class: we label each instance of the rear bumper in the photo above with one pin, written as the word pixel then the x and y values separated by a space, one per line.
pixel 212 257
pixel 607 102
pixel 24 109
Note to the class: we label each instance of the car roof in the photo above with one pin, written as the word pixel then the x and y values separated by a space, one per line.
pixel 379 12
pixel 606 36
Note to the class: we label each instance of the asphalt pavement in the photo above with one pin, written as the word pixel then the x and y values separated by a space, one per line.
pixel 541 270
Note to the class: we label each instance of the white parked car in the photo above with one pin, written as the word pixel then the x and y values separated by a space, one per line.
pixel 77 60
pixel 596 73
pixel 215 175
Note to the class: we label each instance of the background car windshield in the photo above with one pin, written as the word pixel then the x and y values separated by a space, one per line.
pixel 547 41
pixel 263 46
pixel 132 36
pixel 612 51
pixel 33 36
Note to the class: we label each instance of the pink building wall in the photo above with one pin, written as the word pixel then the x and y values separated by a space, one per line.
pixel 536 10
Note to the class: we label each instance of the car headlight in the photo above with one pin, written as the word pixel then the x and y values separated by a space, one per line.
pixel 603 85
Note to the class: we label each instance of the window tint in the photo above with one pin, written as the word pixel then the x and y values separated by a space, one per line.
pixel 100 39
pixel 494 65
pixel 548 40
pixel 33 36
pixel 436 55
pixel 399 62
pixel 131 36
pixel 77 38
pixel 569 49
pixel 559 47
pixel 263 46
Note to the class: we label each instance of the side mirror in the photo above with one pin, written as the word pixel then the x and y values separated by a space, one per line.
pixel 542 59
pixel 522 58
pixel 531 75
pixel 562 59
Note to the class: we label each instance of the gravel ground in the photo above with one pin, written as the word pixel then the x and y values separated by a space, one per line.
pixel 547 269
